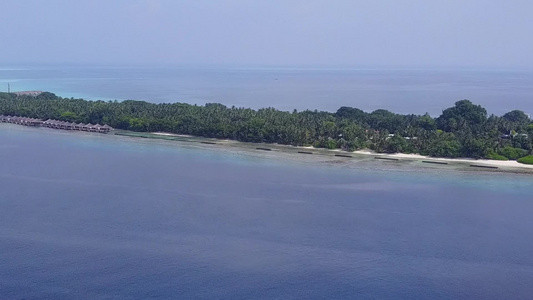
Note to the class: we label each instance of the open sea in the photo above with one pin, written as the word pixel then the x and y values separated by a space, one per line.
pixel 93 216
pixel 403 91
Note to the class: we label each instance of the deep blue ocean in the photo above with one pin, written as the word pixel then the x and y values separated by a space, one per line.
pixel 398 90
pixel 93 216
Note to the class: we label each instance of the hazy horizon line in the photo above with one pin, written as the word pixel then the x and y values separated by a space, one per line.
pixel 17 66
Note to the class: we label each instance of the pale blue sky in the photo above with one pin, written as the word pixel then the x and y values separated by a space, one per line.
pixel 420 33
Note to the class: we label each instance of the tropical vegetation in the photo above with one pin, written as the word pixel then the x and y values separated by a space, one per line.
pixel 463 130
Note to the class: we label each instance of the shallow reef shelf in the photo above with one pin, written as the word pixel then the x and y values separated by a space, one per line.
pixel 315 152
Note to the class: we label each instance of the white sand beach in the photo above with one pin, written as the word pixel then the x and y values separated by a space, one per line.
pixel 171 134
pixel 485 162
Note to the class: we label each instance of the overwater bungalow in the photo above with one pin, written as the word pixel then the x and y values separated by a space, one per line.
pixel 106 128
pixel 55 124
pixel 69 126
pixel 47 123
pixel 15 120
pixel 59 125
pixel 33 122
pixel 23 121
pixel 87 127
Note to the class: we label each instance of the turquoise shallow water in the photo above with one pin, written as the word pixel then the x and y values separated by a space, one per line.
pixel 91 216
pixel 403 91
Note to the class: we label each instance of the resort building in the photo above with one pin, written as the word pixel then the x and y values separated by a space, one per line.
pixel 55 124
pixel 21 120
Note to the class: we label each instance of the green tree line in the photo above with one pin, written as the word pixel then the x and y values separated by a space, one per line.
pixel 463 130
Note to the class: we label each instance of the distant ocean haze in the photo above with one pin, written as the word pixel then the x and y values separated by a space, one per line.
pixel 402 91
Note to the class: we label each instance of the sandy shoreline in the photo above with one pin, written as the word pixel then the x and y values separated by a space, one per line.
pixel 484 162
pixel 500 164
pixel 170 134
pixel 488 163
pixel 503 165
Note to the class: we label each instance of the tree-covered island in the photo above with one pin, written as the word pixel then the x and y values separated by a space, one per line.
pixel 464 130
